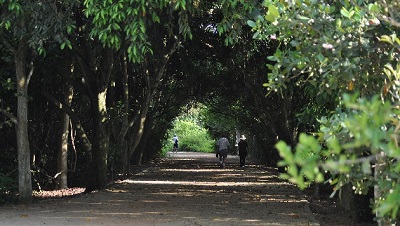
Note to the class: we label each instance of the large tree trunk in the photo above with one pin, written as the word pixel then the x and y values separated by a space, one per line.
pixel 62 158
pixel 96 71
pixel 24 158
pixel 101 140
pixel 97 160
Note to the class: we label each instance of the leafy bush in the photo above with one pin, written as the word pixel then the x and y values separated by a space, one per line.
pixel 192 137
pixel 8 188
pixel 349 52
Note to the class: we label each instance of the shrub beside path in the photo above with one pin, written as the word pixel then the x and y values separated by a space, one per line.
pixel 184 188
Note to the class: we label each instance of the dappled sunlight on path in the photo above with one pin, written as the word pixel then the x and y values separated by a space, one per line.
pixel 182 189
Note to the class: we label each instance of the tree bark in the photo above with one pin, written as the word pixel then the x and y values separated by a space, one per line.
pixel 96 72
pixel 143 141
pixel 101 140
pixel 140 123
pixel 379 168
pixel 24 158
pixel 125 125
pixel 62 158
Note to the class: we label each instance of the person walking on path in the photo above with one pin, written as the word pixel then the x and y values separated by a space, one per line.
pixel 175 139
pixel 223 145
pixel 242 150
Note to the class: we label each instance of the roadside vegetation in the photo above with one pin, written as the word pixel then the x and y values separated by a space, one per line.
pixel 191 133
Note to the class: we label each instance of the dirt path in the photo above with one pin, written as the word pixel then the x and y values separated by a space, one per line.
pixel 183 189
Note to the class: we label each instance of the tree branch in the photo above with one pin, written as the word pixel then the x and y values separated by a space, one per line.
pixel 8 45
pixel 32 68
pixel 10 116
pixel 74 118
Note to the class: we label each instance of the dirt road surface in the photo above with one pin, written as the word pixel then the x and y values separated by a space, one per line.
pixel 182 189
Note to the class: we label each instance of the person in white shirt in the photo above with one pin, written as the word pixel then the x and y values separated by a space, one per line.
pixel 175 139
pixel 223 145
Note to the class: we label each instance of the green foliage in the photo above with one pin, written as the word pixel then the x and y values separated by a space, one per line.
pixel 332 45
pixel 353 140
pixel 307 153
pixel 234 12
pixel 219 118
pixel 36 23
pixel 7 84
pixel 338 48
pixel 127 22
pixel 115 21
pixel 346 135
pixel 192 136
pixel 8 186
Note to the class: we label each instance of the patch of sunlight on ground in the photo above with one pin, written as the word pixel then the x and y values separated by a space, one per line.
pixel 199 183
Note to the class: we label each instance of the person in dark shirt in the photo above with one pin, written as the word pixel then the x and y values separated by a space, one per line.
pixel 242 150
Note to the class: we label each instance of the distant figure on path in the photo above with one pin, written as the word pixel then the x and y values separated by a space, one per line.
pixel 242 150
pixel 175 139
pixel 223 145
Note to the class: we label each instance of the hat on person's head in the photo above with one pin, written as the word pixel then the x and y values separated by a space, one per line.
pixel 243 137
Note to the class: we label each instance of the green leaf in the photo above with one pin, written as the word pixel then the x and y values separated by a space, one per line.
pixel 293 171
pixel 302 17
pixel 320 57
pixel 319 178
pixel 397 40
pixel 42 51
pixel 285 152
pixel 386 38
pixel 269 18
pixel 339 25
pixel 333 144
pixel 273 11
pixel 345 13
pixel 366 167
pixel 257 35
pixel 69 29
pixel 294 43
pixel 7 24
pixel 273 58
pixel 251 23
pixel 373 8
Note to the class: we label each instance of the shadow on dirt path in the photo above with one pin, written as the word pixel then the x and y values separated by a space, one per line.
pixel 182 189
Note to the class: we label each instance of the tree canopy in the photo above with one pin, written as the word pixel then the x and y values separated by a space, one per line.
pixel 316 80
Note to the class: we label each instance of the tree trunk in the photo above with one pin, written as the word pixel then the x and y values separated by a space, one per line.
pixel 125 125
pixel 85 142
pixel 287 116
pixel 62 160
pixel 96 72
pixel 151 88
pixel 140 123
pixel 379 168
pixel 24 158
pixel 138 155
pixel 100 140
